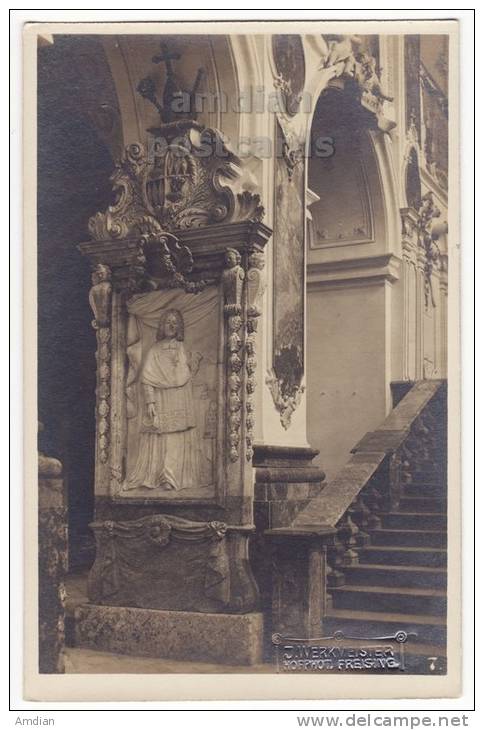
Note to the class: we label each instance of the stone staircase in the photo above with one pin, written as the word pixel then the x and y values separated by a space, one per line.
pixel 382 524
pixel 399 582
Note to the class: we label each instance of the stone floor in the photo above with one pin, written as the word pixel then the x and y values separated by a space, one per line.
pixel 85 661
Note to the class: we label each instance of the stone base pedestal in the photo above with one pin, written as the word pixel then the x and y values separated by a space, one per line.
pixel 180 635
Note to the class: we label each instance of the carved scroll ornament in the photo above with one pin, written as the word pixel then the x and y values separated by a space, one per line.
pixel 193 181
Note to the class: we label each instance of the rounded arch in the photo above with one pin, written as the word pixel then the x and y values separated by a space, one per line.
pixel 384 183
pixel 351 172
pixel 248 75
pixel 131 59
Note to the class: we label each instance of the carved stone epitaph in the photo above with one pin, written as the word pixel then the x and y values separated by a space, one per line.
pixel 185 221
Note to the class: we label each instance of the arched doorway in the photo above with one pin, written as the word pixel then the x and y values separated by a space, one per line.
pixel 350 273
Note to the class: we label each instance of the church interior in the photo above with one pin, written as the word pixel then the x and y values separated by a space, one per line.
pixel 242 349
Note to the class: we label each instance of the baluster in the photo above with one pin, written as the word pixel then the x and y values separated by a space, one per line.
pixel 394 478
pixel 362 516
pixel 347 533
pixel 335 561
pixel 373 497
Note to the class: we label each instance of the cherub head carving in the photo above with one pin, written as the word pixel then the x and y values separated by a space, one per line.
pixel 232 258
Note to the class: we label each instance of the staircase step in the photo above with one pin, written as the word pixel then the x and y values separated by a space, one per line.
pixel 396 575
pixel 385 598
pixel 423 504
pixel 414 520
pixel 429 629
pixel 427 490
pixel 430 557
pixel 409 538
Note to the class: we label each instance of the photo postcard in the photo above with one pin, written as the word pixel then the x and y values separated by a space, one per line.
pixel 242 369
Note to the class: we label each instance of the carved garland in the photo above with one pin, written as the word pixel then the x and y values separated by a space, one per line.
pixel 100 301
pixel 255 290
pixel 232 284
pixel 427 237
pixel 285 405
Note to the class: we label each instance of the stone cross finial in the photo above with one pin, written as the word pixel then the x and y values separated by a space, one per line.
pixel 166 56
pixel 177 103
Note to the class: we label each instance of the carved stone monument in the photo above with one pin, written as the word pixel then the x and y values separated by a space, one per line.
pixel 178 289
pixel 177 281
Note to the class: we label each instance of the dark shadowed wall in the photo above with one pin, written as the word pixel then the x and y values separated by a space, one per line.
pixel 73 182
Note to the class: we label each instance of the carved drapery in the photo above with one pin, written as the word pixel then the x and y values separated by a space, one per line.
pixel 241 285
pixel 167 562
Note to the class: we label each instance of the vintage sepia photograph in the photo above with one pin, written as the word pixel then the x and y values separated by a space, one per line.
pixel 242 242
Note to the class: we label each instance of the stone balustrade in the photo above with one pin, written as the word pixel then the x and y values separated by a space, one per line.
pixel 324 538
